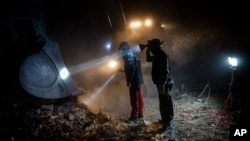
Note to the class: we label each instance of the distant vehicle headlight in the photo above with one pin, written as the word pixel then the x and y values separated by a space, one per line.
pixel 135 24
pixel 148 23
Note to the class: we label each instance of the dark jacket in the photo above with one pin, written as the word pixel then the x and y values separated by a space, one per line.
pixel 132 67
pixel 160 66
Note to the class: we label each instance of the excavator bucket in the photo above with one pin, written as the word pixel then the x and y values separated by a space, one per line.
pixel 41 69
pixel 45 75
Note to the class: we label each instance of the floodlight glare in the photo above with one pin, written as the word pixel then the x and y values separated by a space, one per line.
pixel 64 73
pixel 112 64
pixel 135 24
pixel 148 23
pixel 232 61
pixel 108 46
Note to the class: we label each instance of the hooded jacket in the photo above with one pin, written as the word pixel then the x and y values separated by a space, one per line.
pixel 132 67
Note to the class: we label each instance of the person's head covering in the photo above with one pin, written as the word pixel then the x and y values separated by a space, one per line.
pixel 155 42
pixel 123 45
pixel 154 45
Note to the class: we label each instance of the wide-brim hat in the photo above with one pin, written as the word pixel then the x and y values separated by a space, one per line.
pixel 155 41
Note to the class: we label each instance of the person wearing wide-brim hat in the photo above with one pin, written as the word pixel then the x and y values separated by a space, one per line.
pixel 161 77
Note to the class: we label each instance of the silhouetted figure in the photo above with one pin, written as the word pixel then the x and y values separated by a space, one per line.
pixel 161 77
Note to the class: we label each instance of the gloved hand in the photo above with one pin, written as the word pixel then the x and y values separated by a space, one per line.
pixel 168 85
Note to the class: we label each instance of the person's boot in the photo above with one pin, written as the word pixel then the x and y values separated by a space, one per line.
pixel 133 121
pixel 141 121
pixel 168 130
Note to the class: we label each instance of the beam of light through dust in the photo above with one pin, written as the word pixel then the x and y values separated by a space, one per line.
pixel 99 90
pixel 93 63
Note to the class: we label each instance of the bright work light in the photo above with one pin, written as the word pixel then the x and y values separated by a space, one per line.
pixel 232 61
pixel 112 64
pixel 64 73
pixel 148 23
pixel 135 24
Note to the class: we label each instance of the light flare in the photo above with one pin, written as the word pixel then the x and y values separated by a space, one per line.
pixel 233 62
pixel 112 64
pixel 64 73
pixel 148 22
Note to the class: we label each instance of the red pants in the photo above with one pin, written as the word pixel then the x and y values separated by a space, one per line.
pixel 136 101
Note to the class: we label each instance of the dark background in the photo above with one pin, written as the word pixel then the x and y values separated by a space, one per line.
pixel 82 27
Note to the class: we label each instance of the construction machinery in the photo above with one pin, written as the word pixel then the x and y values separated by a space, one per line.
pixel 35 59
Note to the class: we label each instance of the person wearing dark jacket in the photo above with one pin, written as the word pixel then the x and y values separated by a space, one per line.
pixel 134 79
pixel 161 77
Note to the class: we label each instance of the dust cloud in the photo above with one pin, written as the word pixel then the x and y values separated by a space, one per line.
pixel 185 46
pixel 112 96
pixel 188 48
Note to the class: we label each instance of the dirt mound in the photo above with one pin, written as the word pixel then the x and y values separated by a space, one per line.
pixel 67 120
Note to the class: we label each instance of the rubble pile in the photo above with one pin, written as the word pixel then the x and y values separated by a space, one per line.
pixel 72 122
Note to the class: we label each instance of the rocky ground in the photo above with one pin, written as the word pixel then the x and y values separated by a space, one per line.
pixel 196 119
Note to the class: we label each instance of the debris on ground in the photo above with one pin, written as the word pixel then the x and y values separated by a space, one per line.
pixel 72 121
